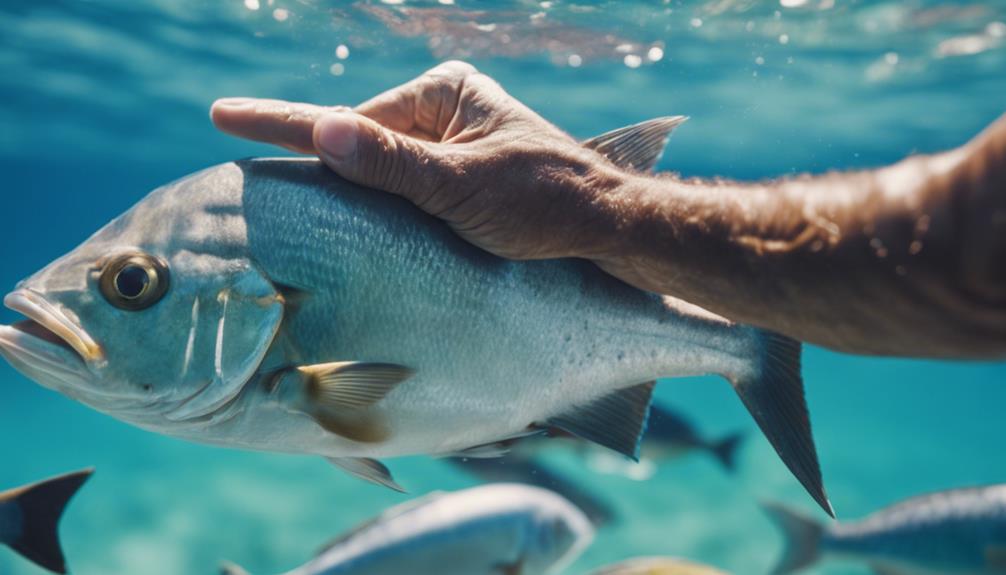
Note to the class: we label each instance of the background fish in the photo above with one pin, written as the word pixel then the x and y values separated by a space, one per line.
pixel 517 467
pixel 956 532
pixel 270 305
pixel 29 518
pixel 500 529
pixel 657 566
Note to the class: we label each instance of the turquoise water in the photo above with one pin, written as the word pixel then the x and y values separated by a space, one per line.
pixel 104 100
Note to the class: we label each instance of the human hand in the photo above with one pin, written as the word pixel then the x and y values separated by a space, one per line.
pixel 458 146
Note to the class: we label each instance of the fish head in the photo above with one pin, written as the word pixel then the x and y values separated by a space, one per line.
pixel 160 318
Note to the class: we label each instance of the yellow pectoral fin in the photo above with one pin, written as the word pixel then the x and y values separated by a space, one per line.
pixel 340 394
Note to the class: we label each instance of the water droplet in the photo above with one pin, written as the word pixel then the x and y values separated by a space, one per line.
pixel 792 3
pixel 280 14
pixel 915 247
pixel 784 39
pixel 574 60
pixel 760 61
pixel 655 54
pixel 696 22
pixel 337 69
pixel 633 60
pixel 342 52
pixel 252 4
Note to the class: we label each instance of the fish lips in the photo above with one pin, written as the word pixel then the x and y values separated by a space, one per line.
pixel 48 347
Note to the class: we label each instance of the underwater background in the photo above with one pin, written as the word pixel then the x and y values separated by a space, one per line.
pixel 105 100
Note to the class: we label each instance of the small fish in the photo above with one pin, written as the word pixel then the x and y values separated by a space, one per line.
pixel 670 435
pixel 29 518
pixel 519 468
pixel 956 532
pixel 657 566
pixel 498 529
pixel 270 305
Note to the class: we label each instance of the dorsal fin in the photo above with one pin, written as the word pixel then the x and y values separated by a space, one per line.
pixel 386 515
pixel 637 147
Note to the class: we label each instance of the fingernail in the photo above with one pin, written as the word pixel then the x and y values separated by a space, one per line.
pixel 233 103
pixel 337 135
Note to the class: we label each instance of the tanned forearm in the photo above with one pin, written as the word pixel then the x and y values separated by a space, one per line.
pixel 908 260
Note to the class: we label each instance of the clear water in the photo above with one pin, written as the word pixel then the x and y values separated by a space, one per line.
pixel 104 100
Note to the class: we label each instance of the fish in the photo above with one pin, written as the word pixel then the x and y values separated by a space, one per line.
pixel 497 529
pixel 29 518
pixel 516 467
pixel 657 566
pixel 669 435
pixel 268 304
pixel 954 532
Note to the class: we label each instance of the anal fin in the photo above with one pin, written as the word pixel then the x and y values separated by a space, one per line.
pixel 368 470
pixel 616 421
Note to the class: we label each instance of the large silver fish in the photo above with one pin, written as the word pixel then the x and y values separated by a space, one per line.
pixel 956 532
pixel 268 304
pixel 29 518
pixel 499 529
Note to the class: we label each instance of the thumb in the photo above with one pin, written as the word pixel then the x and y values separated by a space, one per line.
pixel 362 151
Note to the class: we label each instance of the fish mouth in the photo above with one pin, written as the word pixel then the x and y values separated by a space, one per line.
pixel 47 345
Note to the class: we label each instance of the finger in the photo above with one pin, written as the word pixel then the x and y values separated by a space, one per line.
pixel 363 151
pixel 424 106
pixel 286 124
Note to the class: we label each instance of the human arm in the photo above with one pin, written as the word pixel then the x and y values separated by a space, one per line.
pixel 906 260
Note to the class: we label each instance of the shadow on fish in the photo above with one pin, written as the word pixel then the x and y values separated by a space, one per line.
pixel 270 305
pixel 29 518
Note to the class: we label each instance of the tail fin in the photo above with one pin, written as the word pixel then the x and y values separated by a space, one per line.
pixel 773 393
pixel 637 147
pixel 803 538
pixel 725 450
pixel 41 506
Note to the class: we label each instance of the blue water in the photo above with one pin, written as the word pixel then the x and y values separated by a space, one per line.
pixel 104 100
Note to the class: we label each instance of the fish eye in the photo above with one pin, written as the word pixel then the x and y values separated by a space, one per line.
pixel 134 281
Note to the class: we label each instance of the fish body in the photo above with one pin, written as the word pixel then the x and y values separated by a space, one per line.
pixel 270 305
pixel 29 518
pixel 956 532
pixel 499 529
pixel 657 566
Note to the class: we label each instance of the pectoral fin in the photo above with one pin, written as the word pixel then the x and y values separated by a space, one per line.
pixel 616 421
pixel 639 146
pixel 367 469
pixel 338 395
pixel 352 384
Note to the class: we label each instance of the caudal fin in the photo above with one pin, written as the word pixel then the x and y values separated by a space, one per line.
pixel 773 393
pixel 725 450
pixel 41 505
pixel 803 538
